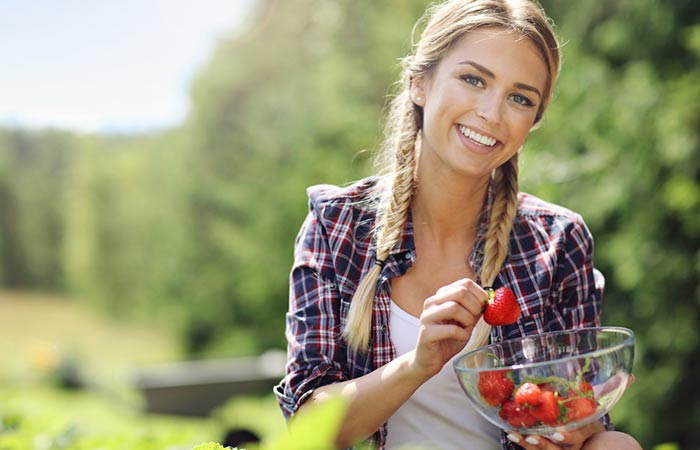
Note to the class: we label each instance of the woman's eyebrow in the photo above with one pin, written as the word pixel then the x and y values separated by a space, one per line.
pixel 527 87
pixel 479 67
pixel 489 74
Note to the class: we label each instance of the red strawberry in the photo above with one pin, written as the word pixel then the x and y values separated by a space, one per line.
pixel 495 387
pixel 579 407
pixel 517 415
pixel 586 389
pixel 501 308
pixel 528 394
pixel 547 411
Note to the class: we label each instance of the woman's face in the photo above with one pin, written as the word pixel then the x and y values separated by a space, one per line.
pixel 479 103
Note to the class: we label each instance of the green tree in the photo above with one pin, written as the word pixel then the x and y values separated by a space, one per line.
pixel 34 168
pixel 620 146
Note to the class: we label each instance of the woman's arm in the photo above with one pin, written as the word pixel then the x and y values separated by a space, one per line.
pixel 373 398
pixel 447 321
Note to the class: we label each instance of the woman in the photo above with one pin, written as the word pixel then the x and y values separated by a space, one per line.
pixel 388 273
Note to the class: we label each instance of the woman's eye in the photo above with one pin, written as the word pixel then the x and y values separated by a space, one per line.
pixel 474 81
pixel 521 100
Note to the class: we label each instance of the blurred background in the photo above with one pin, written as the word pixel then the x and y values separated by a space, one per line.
pixel 153 163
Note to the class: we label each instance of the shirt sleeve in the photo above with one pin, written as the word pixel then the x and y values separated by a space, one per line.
pixel 313 329
pixel 579 286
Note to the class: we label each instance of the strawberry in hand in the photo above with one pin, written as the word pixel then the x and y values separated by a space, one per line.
pixel 501 307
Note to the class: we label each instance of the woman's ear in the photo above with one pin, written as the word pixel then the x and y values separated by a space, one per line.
pixel 418 90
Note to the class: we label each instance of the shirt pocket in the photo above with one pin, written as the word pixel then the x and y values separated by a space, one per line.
pixel 527 325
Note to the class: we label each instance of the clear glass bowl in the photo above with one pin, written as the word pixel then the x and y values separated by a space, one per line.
pixel 586 372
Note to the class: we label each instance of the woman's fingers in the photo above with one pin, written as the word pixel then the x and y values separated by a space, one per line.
pixel 447 331
pixel 447 321
pixel 534 442
pixel 576 438
pixel 450 311
pixel 465 292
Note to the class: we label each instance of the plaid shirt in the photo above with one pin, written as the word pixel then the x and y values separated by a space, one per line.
pixel 549 268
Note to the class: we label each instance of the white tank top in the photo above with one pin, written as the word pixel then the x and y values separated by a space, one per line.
pixel 438 415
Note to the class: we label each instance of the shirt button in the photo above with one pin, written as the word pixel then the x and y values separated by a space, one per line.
pixel 498 339
pixel 383 328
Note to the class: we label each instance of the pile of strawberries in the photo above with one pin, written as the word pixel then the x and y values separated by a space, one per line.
pixel 551 401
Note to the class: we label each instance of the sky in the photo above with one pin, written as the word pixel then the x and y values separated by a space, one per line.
pixel 106 66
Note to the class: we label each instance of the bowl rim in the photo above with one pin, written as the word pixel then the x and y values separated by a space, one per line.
pixel 629 339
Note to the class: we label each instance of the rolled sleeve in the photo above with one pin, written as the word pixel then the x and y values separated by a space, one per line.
pixel 315 349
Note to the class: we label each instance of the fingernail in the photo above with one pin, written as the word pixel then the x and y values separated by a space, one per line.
pixel 532 441
pixel 557 437
pixel 513 438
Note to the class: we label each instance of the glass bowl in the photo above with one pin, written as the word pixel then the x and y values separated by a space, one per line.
pixel 556 381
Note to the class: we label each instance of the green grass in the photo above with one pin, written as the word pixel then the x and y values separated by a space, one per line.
pixel 33 326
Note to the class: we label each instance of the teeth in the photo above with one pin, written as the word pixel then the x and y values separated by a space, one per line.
pixel 483 140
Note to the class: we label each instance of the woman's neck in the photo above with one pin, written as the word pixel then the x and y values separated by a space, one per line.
pixel 448 209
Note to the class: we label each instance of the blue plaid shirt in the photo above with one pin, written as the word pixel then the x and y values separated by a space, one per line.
pixel 549 268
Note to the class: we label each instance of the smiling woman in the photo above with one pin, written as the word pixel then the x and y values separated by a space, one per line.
pixel 389 275
pixel 113 66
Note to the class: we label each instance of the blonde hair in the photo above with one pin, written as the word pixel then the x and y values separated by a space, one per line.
pixel 445 24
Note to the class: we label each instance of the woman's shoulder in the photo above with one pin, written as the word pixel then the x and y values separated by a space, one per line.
pixel 538 221
pixel 345 213
pixel 530 206
pixel 357 195
pixel 550 218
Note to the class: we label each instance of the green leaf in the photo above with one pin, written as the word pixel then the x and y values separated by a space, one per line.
pixel 315 429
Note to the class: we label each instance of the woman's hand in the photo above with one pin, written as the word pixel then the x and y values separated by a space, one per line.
pixel 591 437
pixel 572 440
pixel 447 321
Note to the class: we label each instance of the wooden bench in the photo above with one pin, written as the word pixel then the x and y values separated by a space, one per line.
pixel 195 388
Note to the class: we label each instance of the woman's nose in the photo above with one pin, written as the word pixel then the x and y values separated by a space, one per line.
pixel 489 107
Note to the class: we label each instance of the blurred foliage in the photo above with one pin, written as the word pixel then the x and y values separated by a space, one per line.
pixel 194 227
pixel 41 418
pixel 48 419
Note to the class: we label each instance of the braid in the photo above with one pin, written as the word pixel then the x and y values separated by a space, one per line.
pixel 442 26
pixel 505 204
pixel 402 132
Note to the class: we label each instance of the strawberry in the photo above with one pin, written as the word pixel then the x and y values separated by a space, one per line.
pixel 517 415
pixel 579 407
pixel 528 394
pixel 495 387
pixel 501 307
pixel 547 411
pixel 586 389
pixel 582 389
